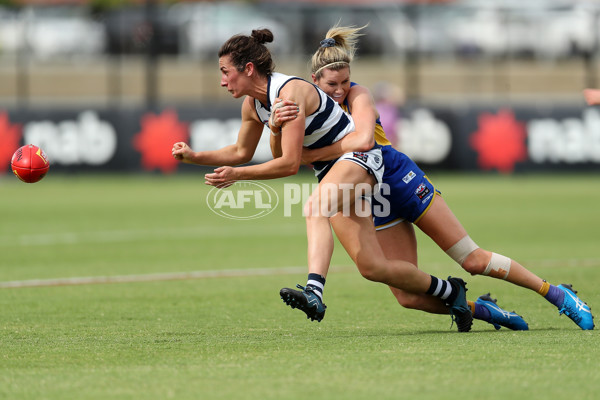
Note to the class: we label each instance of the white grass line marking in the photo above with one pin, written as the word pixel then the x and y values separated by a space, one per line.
pixel 173 276
pixel 122 236
pixel 95 280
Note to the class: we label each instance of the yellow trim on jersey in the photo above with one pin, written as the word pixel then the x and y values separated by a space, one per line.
pixel 380 137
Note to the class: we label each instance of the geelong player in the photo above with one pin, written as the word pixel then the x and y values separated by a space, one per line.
pixel 247 70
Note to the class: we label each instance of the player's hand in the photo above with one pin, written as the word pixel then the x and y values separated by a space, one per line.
pixel 222 177
pixel 283 111
pixel 182 152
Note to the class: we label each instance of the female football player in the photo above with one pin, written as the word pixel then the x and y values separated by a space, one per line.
pixel 413 199
pixel 247 70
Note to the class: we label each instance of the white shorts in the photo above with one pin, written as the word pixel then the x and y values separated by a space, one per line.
pixel 371 161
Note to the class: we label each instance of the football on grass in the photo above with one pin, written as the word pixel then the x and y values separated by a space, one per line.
pixel 29 163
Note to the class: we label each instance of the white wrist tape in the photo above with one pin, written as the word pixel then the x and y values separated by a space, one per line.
pixel 274 107
pixel 498 267
pixel 462 249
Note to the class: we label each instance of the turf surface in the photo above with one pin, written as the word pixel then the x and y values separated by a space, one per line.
pixel 231 337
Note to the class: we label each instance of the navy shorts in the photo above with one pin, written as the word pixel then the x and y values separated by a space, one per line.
pixel 406 192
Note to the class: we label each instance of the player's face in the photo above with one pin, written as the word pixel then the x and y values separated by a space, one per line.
pixel 335 83
pixel 231 78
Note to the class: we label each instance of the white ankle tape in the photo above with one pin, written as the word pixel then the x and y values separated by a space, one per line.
pixel 498 267
pixel 462 249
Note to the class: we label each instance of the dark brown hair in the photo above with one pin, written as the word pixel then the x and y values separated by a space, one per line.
pixel 243 49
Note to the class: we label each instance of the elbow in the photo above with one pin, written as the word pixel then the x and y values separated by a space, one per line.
pixel 244 158
pixel 367 144
pixel 291 169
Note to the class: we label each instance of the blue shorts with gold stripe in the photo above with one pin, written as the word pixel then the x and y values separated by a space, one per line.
pixel 405 194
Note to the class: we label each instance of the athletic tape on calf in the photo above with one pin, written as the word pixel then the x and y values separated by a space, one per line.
pixel 498 267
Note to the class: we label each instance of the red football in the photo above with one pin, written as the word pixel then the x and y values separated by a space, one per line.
pixel 29 163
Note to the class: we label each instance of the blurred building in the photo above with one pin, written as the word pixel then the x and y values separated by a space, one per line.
pixel 477 84
pixel 100 51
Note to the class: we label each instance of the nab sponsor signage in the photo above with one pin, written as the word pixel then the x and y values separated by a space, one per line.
pixel 574 140
pixel 84 140
pixel 506 140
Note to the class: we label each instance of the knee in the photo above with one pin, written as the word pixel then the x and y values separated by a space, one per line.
pixel 319 206
pixel 380 269
pixel 309 208
pixel 408 300
pixel 369 268
pixel 369 272
pixel 477 261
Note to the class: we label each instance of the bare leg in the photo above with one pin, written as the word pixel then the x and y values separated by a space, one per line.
pixel 400 243
pixel 324 203
pixel 357 235
pixel 440 224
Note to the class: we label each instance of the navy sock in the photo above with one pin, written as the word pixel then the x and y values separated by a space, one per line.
pixel 441 288
pixel 317 282
pixel 555 296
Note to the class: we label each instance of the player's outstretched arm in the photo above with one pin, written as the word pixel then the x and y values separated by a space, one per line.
pixel 238 153
pixel 290 150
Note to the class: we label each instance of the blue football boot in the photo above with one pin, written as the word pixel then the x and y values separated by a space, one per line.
pixel 576 309
pixel 459 309
pixel 305 300
pixel 500 317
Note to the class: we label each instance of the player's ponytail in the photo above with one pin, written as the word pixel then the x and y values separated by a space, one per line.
pixel 337 50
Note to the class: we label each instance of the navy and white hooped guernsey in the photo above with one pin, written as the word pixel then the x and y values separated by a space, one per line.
pixel 325 126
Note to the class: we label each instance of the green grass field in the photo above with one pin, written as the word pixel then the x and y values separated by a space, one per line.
pixel 231 337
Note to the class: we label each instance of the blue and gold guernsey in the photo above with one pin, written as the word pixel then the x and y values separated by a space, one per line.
pixel 325 126
pixel 406 192
pixel 380 137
